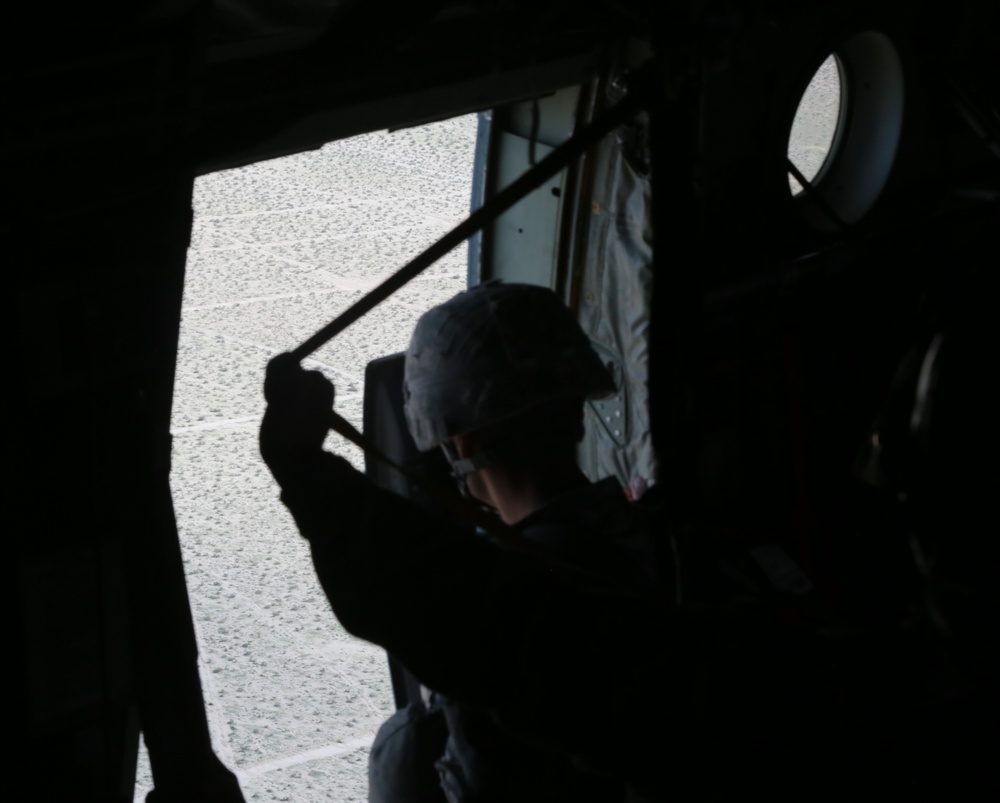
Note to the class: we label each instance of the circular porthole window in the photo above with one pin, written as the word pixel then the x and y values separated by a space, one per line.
pixel 815 124
pixel 845 132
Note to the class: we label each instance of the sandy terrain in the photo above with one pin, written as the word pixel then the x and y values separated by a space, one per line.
pixel 278 249
pixel 815 123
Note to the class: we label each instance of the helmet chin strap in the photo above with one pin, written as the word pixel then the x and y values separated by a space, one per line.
pixel 462 467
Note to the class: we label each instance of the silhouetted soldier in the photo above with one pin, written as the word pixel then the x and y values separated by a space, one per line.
pixel 588 656
pixel 497 378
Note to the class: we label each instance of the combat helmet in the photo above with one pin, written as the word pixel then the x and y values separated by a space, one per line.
pixel 490 353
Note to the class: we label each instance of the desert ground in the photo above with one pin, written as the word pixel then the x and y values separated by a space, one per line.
pixel 277 250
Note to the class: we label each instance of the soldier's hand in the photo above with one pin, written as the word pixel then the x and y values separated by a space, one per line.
pixel 297 418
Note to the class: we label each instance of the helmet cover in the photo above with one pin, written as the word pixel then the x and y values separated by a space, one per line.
pixel 490 353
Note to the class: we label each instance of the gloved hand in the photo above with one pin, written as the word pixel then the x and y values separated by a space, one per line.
pixel 297 418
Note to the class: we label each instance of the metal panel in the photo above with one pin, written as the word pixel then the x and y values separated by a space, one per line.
pixel 525 239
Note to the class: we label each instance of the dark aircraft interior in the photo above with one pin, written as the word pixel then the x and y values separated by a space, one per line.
pixel 806 360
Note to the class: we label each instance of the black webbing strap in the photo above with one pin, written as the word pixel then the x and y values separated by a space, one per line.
pixel 488 212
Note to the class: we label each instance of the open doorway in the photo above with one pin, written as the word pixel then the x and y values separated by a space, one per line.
pixel 278 249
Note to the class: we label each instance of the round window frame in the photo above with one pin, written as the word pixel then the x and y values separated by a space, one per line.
pixel 870 121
